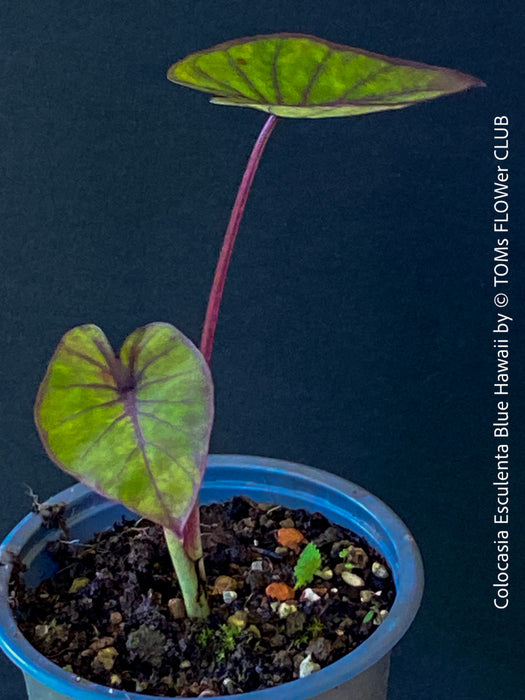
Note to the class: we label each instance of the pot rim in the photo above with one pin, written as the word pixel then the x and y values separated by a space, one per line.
pixel 407 569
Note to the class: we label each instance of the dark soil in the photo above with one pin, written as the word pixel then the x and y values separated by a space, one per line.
pixel 113 612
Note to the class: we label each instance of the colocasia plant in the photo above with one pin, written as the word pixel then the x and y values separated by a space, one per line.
pixel 136 425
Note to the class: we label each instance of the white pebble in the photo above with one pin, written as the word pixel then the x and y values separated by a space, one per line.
pixel 352 579
pixel 310 595
pixel 325 574
pixel 229 596
pixel 379 570
pixel 380 617
pixel 366 596
pixel 257 565
pixel 308 667
pixel 286 609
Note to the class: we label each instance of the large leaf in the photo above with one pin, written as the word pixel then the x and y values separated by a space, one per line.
pixel 135 427
pixel 296 75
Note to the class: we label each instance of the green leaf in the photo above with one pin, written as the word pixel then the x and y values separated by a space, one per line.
pixel 369 616
pixel 135 427
pixel 296 75
pixel 309 562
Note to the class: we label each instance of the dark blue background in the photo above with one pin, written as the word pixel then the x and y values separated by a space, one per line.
pixel 356 330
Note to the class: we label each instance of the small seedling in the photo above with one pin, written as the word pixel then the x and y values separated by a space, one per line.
pixel 227 640
pixel 309 562
pixel 223 640
pixel 315 628
pixel 375 607
pixel 135 425
pixel 204 637
pixel 369 615
pixel 300 640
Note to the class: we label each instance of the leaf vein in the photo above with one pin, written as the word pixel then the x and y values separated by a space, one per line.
pixel 97 440
pixel 240 72
pixel 159 420
pixel 92 385
pixel 226 87
pixel 173 459
pixel 125 463
pixel 186 402
pixel 164 379
pixel 366 79
pixel 90 408
pixel 321 66
pixel 134 352
pixel 87 358
pixel 153 359
pixel 142 446
pixel 275 72
pixel 372 97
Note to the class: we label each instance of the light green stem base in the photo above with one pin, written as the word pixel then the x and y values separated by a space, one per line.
pixel 189 574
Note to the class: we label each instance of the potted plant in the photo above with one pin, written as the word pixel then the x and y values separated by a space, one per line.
pixel 134 427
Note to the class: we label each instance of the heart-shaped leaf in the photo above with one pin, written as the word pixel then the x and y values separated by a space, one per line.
pixel 296 75
pixel 135 427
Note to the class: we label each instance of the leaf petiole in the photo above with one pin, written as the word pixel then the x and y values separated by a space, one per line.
pixel 189 573
pixel 214 302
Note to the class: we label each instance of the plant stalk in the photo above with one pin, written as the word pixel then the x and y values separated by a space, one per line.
pixel 186 555
pixel 187 558
pixel 214 302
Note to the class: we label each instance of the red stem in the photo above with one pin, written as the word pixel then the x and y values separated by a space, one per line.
pixel 214 302
pixel 192 541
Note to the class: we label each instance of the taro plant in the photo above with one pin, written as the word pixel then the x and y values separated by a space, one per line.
pixel 136 425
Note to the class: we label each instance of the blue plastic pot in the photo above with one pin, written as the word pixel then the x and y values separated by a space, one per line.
pixel 361 675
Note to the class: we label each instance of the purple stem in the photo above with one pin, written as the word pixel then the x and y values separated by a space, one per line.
pixel 214 302
pixel 192 541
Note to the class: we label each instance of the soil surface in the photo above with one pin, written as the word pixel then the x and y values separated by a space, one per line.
pixel 113 612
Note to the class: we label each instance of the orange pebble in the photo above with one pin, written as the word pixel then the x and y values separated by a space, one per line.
pixel 281 591
pixel 291 538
